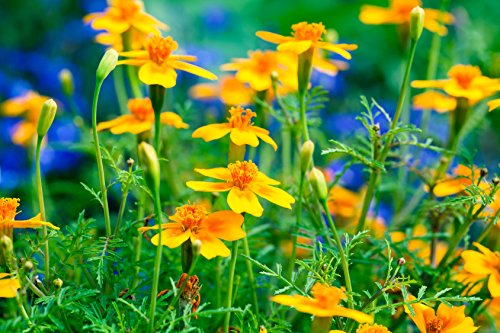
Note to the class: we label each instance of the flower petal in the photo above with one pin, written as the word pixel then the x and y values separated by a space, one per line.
pixel 242 137
pixel 225 225
pixel 173 236
pixel 212 132
pixel 333 48
pixel 264 137
pixel 114 122
pixel 193 69
pixel 208 186
pixel 273 194
pixel 211 246
pixel 262 178
pixel 378 15
pixel 294 46
pixel 151 73
pixel 494 285
pixel 34 222
pixel 172 119
pixel 217 173
pixel 244 201
pixel 272 37
pixel 8 288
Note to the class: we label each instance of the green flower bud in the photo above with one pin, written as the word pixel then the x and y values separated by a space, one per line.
pixel 416 22
pixel 28 266
pixel 66 79
pixel 318 183
pixel 58 283
pixel 306 153
pixel 6 245
pixel 150 164
pixel 107 64
pixel 196 247
pixel 46 117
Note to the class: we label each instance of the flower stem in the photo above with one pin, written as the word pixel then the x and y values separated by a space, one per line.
pixel 138 240
pixel 131 70
pixel 23 310
pixel 375 173
pixel 46 253
pixel 121 93
pixel 229 296
pixel 343 258
pixel 304 75
pixel 251 277
pixel 100 166
pixel 297 224
pixel 157 95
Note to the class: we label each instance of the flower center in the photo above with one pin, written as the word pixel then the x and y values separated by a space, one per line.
pixel 159 48
pixel 308 31
pixel 434 325
pixel 464 74
pixel 243 173
pixel 8 209
pixel 141 108
pixel 375 328
pixel 265 62
pixel 191 216
pixel 404 7
pixel 241 118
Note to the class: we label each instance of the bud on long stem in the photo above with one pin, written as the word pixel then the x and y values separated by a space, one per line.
pixel 47 114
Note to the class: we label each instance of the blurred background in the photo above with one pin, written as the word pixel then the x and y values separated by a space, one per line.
pixel 41 37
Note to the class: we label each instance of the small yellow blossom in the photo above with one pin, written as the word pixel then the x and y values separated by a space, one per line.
pixel 140 119
pixel 399 13
pixel 158 65
pixel 192 222
pixel 445 320
pixel 484 264
pixel 28 106
pixel 8 287
pixel 304 37
pixel 244 182
pixel 325 303
pixel 228 89
pixel 240 127
pixel 433 100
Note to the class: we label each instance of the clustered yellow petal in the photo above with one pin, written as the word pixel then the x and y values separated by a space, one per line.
pixel 484 264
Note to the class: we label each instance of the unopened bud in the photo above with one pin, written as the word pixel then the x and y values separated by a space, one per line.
pixel 47 115
pixel 66 79
pixel 306 154
pixel 58 283
pixel 28 266
pixel 274 75
pixel 483 172
pixel 416 22
pixel 262 329
pixel 130 162
pixel 107 64
pixel 495 180
pixel 401 261
pixel 6 245
pixel 196 247
pixel 150 164
pixel 318 183
pixel 332 36
pixel 376 127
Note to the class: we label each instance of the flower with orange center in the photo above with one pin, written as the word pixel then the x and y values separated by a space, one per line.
pixel 256 70
pixel 124 15
pixel 433 100
pixel 141 119
pixel 367 328
pixel 229 90
pixel 445 320
pixel 484 264
pixel 325 303
pixel 399 13
pixel 28 106
pixel 241 127
pixel 462 177
pixel 8 287
pixel 304 37
pixel 244 182
pixel 464 81
pixel 158 65
pixel 192 222
pixel 8 212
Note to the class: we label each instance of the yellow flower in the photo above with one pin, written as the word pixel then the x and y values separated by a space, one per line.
pixel 244 182
pixel 344 203
pixel 373 328
pixel 229 90
pixel 8 287
pixel 123 15
pixel 8 212
pixel 493 104
pixel 158 65
pixel 445 320
pixel 435 101
pixel 256 70
pixel 399 13
pixel 463 177
pixel 192 222
pixel 464 81
pixel 304 37
pixel 325 303
pixel 28 106
pixel 239 126
pixel 116 41
pixel 484 264
pixel 141 119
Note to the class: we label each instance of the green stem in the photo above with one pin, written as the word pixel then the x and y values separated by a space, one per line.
pixel 304 75
pixel 100 166
pixel 23 310
pixel 375 173
pixel 251 277
pixel 343 258
pixel 157 95
pixel 121 93
pixel 131 70
pixel 229 296
pixel 298 223
pixel 46 253
pixel 138 240
pixel 157 263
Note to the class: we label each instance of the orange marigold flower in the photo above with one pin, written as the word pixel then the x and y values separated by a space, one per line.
pixel 484 264
pixel 373 328
pixel 434 100
pixel 241 128
pixel 325 303
pixel 123 15
pixel 8 212
pixel 8 287
pixel 28 106
pixel 256 70
pixel 464 81
pixel 244 182
pixel 493 104
pixel 462 177
pixel 445 320
pixel 158 65
pixel 399 13
pixel 343 202
pixel 305 36
pixel 141 119
pixel 192 222
pixel 229 90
